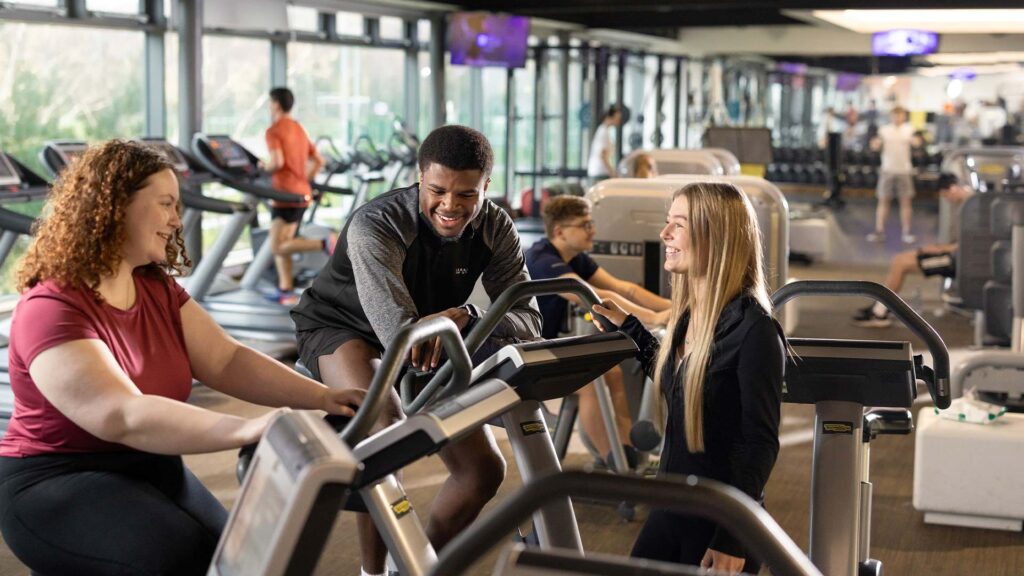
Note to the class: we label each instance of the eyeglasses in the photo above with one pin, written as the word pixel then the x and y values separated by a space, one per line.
pixel 588 225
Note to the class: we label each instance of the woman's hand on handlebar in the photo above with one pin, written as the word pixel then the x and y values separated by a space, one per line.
pixel 252 429
pixel 343 402
pixel 611 311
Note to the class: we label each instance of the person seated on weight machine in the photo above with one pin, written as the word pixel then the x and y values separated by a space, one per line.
pixel 569 231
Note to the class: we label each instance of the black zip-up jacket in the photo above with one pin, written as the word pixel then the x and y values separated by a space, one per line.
pixel 391 268
pixel 742 401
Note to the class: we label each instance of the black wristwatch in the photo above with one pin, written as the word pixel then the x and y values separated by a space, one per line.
pixel 475 314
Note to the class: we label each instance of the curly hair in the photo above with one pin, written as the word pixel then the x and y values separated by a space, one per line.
pixel 82 233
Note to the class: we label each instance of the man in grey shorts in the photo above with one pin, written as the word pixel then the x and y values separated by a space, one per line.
pixel 896 177
pixel 411 254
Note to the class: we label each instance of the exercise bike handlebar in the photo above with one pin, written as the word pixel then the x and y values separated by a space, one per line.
pixel 509 298
pixel 391 365
pixel 939 388
pixel 724 504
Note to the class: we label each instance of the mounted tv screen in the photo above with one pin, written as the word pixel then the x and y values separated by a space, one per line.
pixel 484 39
pixel 904 43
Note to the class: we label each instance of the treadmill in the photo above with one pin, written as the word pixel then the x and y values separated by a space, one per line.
pixel 57 154
pixel 237 168
pixel 241 309
pixel 191 178
pixel 18 184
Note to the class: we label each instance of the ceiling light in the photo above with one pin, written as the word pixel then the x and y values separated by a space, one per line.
pixel 967 58
pixel 942 21
pixel 946 71
pixel 954 89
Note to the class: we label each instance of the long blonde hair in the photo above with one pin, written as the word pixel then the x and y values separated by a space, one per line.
pixel 725 250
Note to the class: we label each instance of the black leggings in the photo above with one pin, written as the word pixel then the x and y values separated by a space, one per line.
pixel 671 537
pixel 108 513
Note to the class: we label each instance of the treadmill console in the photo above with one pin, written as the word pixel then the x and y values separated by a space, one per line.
pixel 229 154
pixel 8 175
pixel 170 153
pixel 63 154
pixel 297 481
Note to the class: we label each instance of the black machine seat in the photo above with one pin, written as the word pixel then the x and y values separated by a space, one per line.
pixel 869 372
pixel 549 369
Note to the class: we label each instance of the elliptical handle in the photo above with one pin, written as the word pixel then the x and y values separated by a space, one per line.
pixel 391 365
pixel 528 289
pixel 509 298
pixel 940 354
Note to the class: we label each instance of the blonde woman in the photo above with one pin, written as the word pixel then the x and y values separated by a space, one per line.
pixel 721 374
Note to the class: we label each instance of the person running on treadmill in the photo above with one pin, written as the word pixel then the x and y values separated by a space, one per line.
pixel 930 260
pixel 569 231
pixel 294 160
pixel 407 255
pixel 720 369
pixel 104 346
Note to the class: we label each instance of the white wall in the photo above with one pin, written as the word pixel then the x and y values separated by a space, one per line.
pixel 929 94
pixel 820 41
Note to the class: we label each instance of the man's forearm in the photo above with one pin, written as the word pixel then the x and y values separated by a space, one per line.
pixel 521 322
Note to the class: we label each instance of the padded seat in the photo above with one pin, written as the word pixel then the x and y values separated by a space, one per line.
pixel 969 474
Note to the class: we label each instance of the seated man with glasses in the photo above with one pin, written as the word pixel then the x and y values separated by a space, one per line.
pixel 569 231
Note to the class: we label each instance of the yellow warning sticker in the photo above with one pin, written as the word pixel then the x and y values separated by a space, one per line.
pixel 837 427
pixel 532 427
pixel 401 507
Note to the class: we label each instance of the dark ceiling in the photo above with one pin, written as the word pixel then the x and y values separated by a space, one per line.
pixel 664 17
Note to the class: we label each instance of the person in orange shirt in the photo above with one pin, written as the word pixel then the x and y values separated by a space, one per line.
pixel 294 161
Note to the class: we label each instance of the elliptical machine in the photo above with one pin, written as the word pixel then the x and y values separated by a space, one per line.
pixel 841 378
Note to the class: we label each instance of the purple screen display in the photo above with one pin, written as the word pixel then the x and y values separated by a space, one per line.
pixel 904 43
pixel 847 82
pixel 483 39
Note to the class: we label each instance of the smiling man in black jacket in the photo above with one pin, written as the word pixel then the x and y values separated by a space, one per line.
pixel 411 254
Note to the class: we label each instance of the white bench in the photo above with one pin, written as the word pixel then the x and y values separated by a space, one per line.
pixel 970 474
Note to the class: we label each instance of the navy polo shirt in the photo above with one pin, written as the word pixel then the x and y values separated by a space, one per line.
pixel 544 261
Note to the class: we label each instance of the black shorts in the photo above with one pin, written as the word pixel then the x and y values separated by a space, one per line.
pixel 941 264
pixel 289 215
pixel 318 342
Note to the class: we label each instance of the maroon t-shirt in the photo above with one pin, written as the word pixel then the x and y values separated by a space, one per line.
pixel 147 341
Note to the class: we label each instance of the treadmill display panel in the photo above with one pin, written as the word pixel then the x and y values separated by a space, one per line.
pixel 69 151
pixel 170 153
pixel 8 175
pixel 228 153
pixel 258 515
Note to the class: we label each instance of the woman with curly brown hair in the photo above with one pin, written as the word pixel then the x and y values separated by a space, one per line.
pixel 104 346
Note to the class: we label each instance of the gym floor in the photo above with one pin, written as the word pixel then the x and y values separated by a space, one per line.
pixel 900 538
